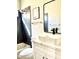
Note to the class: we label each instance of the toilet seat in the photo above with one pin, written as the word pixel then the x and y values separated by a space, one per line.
pixel 26 52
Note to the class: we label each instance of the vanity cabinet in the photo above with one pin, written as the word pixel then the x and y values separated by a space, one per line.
pixel 45 50
pixel 42 51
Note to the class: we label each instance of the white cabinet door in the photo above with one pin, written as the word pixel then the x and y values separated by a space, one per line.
pixel 39 56
pixel 43 52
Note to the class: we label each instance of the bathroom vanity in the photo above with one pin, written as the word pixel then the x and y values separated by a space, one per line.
pixel 46 46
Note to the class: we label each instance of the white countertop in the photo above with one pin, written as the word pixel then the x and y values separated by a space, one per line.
pixel 55 36
pixel 48 44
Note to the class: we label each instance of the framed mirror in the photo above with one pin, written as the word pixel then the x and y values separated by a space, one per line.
pixel 51 16
pixel 36 13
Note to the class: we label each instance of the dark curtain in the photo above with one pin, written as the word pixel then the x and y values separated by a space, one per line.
pixel 19 28
pixel 23 36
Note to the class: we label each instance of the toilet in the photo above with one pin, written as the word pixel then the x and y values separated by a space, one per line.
pixel 26 54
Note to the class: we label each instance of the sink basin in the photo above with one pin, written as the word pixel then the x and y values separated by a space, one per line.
pixel 45 39
pixel 49 38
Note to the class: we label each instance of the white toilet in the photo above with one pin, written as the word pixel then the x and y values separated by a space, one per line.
pixel 26 54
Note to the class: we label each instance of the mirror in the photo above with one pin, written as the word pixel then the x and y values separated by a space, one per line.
pixel 51 14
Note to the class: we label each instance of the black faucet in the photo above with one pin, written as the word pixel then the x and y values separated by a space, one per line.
pixel 54 30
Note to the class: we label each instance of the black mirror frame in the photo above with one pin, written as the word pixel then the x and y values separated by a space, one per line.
pixel 45 30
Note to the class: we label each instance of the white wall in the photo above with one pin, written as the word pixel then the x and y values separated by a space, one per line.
pixel 18 4
pixel 36 28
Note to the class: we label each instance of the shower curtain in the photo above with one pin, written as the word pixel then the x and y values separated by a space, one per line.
pixel 26 38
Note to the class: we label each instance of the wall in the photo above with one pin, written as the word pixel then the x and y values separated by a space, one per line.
pixel 37 27
pixel 18 4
